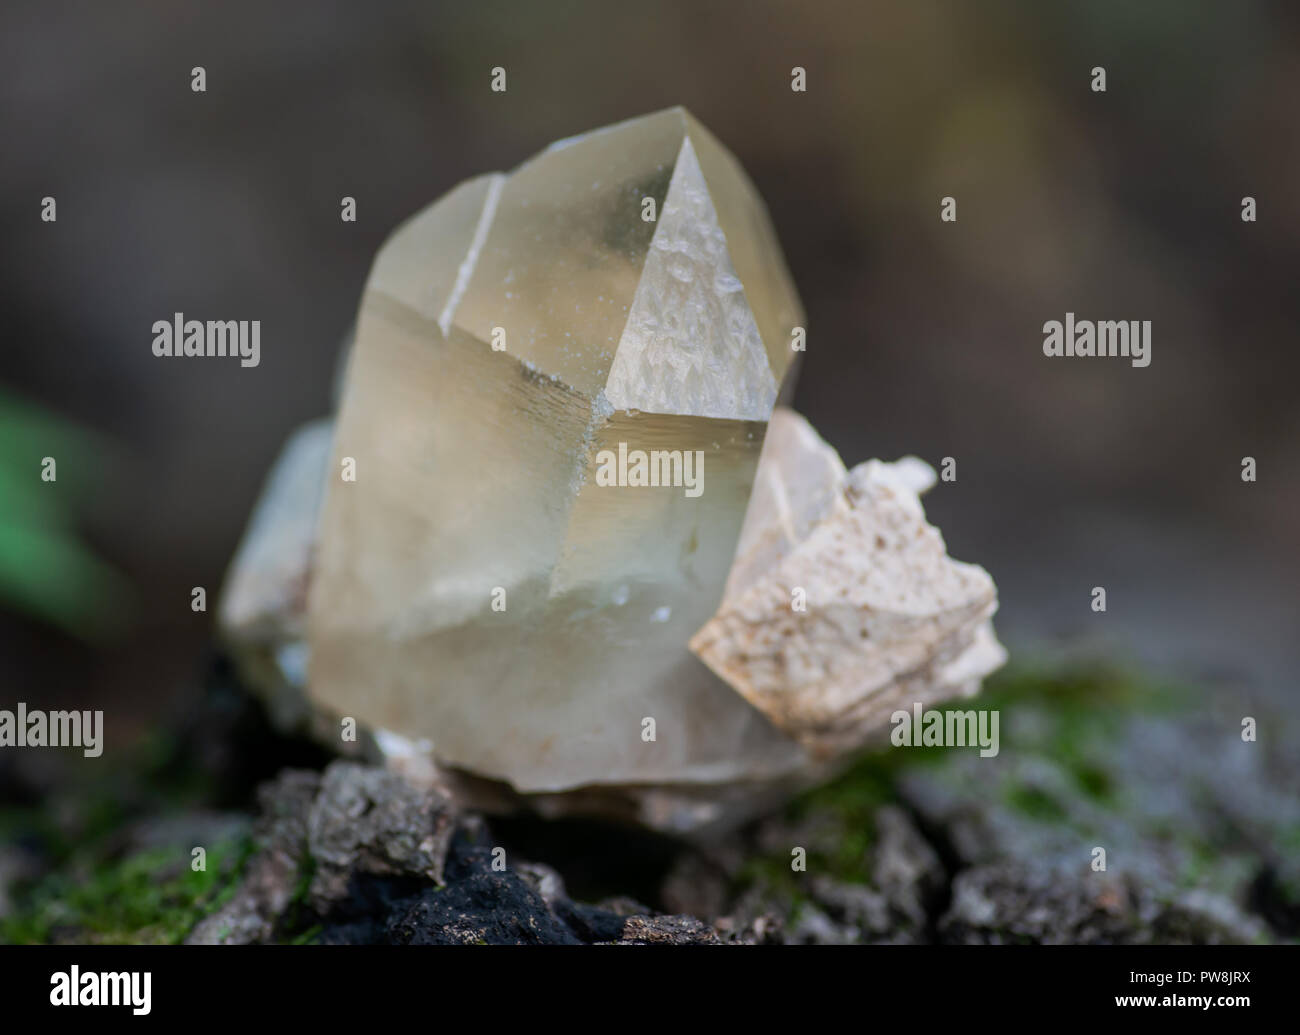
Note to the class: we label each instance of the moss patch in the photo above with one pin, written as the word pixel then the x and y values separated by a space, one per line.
pixel 151 897
pixel 1077 708
pixel 1036 804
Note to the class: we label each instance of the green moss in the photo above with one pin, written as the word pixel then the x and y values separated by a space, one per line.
pixel 777 883
pixel 1079 711
pixel 152 897
pixel 1198 864
pixel 90 891
pixel 94 812
pixel 307 937
pixel 298 921
pixel 1094 782
pixel 1036 803
pixel 850 803
pixel 1078 708
pixel 1289 840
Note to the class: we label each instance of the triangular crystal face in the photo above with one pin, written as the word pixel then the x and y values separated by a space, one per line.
pixel 562 254
pixel 691 345
pixel 752 247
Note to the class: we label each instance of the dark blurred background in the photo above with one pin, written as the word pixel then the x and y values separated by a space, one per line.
pixel 924 337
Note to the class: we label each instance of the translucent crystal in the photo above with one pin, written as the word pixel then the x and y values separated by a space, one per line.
pixel 509 336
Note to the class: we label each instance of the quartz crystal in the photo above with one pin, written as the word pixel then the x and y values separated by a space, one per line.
pixel 457 562
pixel 475 586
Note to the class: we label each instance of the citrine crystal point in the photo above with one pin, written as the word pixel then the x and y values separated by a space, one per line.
pixel 476 585
pixel 478 591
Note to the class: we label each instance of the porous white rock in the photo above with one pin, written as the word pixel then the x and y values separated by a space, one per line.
pixel 842 604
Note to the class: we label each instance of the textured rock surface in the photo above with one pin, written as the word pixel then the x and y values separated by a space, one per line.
pixel 843 605
pixel 1197 826
pixel 356 855
pixel 368 821
pixel 932 845
pixel 271 880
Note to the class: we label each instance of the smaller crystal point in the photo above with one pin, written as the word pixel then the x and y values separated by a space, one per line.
pixel 265 596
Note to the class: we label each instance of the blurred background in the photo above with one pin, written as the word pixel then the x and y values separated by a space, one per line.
pixel 924 337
